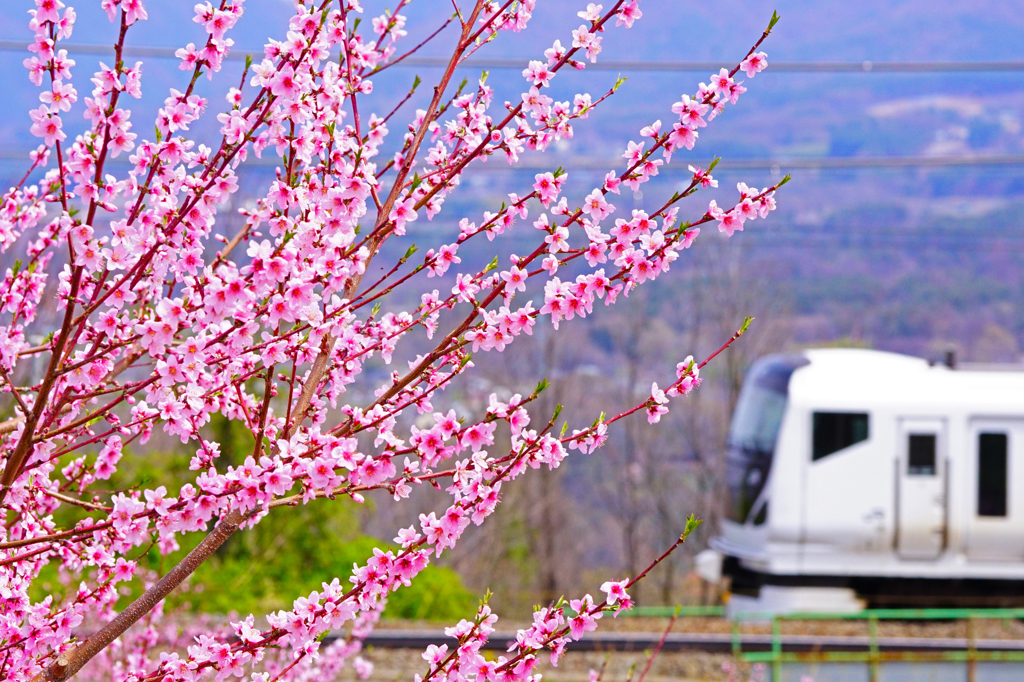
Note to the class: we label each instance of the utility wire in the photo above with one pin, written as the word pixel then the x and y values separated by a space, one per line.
pixel 779 164
pixel 605 65
pixel 498 164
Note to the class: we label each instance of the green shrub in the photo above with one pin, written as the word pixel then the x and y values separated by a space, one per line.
pixel 288 554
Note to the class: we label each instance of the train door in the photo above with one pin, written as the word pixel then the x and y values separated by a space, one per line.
pixel 921 488
pixel 995 527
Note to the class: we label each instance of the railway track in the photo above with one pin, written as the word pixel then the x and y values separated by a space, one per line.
pixel 696 641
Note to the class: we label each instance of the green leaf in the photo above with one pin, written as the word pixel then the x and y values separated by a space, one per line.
pixel 483 76
pixel 775 20
pixel 541 385
pixel 248 61
pixel 411 250
pixel 714 163
pixel 376 309
pixel 784 180
pixel 416 83
pixel 691 525
pixel 493 265
pixel 618 82
pixel 558 411
pixel 565 427
pixel 746 323
pixel 17 267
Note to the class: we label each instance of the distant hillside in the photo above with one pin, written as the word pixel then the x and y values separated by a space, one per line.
pixel 890 255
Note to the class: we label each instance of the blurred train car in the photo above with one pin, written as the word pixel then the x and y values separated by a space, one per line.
pixel 883 475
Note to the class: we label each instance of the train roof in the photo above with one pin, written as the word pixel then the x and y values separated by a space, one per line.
pixel 848 378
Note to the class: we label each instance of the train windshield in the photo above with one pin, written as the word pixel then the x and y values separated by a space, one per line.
pixel 755 428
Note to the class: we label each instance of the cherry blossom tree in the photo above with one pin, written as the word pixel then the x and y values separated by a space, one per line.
pixel 162 324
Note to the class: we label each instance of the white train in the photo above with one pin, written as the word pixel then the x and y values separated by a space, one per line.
pixel 883 474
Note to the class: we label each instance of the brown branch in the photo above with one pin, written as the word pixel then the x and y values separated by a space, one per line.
pixel 71 500
pixel 323 359
pixel 12 468
pixel 657 649
pixel 71 661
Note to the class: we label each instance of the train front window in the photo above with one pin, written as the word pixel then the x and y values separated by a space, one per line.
pixel 755 429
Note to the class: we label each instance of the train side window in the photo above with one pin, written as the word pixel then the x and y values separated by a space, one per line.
pixel 921 454
pixel 992 474
pixel 835 431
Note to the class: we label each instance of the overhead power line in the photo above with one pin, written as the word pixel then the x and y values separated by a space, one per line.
pixel 782 164
pixel 787 67
pixel 604 65
pixel 498 164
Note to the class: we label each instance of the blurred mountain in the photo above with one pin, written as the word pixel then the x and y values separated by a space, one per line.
pixel 907 258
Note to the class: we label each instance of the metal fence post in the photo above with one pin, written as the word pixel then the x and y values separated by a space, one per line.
pixel 972 651
pixel 873 657
pixel 776 649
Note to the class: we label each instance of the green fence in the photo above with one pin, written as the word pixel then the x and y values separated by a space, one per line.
pixel 873 656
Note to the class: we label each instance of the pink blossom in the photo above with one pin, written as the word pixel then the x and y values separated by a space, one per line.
pixel 628 13
pixel 133 11
pixel 61 96
pixel 515 279
pixel 722 83
pixel 616 591
pixel 402 213
pixel 48 10
pixel 536 103
pixel 730 222
pixel 596 206
pixel 284 83
pixel 538 74
pixel 754 63
pixel 47 126
pixel 547 187
pixel 590 42
pixel 554 53
pixel 465 288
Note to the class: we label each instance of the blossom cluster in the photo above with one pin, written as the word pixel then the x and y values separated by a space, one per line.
pixel 151 321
